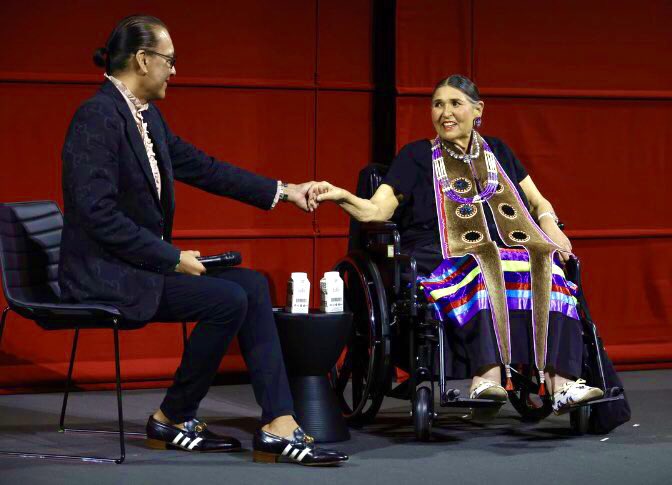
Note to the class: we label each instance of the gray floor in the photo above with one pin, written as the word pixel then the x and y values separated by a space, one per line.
pixel 505 451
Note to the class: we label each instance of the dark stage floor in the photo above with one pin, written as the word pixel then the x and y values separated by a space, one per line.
pixel 505 451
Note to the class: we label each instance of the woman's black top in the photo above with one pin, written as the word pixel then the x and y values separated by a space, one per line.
pixel 411 175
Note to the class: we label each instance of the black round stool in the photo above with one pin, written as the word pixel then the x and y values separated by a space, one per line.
pixel 311 345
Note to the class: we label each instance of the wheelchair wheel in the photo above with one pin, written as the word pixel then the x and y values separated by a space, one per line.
pixel 365 362
pixel 524 397
pixel 579 420
pixel 423 414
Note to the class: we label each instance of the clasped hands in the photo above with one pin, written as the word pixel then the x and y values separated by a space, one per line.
pixel 308 195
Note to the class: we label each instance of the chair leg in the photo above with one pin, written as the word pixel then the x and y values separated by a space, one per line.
pixel 117 365
pixel 68 381
pixel 122 434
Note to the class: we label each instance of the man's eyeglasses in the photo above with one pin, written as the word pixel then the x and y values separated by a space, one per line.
pixel 170 60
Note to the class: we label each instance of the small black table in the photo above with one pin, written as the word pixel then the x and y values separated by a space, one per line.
pixel 311 345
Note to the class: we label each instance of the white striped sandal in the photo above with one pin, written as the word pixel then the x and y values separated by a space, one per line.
pixel 269 448
pixel 194 437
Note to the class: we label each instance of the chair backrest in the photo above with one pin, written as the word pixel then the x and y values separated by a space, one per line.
pixel 30 239
pixel 370 178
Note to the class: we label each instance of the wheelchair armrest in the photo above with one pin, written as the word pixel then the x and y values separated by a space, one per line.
pixel 386 227
pixel 381 238
pixel 390 249
pixel 573 271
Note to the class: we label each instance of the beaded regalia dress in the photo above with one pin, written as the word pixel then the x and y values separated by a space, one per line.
pixel 478 275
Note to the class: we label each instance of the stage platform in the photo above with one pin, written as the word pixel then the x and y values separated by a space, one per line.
pixel 503 452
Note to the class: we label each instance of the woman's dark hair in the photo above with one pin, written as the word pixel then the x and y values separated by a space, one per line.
pixel 463 83
pixel 129 36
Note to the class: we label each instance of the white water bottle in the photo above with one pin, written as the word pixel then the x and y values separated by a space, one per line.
pixel 331 292
pixel 298 293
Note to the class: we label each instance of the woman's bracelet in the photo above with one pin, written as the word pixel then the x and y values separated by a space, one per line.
pixel 549 214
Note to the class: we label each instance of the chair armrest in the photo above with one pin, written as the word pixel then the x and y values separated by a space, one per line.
pixel 573 271
pixel 379 227
pixel 374 238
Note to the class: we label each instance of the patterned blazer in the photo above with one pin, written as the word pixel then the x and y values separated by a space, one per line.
pixel 116 244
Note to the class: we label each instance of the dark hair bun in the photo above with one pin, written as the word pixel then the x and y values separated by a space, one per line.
pixel 129 36
pixel 99 57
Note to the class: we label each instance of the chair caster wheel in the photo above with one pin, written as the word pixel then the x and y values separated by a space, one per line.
pixel 423 414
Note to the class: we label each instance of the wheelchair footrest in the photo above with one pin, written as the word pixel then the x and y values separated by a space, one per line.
pixel 613 394
pixel 598 401
pixel 452 399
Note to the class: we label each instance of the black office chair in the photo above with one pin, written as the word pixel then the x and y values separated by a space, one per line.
pixel 30 238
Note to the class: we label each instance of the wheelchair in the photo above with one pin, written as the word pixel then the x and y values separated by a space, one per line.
pixel 393 327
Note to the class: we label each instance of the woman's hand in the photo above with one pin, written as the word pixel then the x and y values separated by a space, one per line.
pixel 379 208
pixel 323 191
pixel 552 230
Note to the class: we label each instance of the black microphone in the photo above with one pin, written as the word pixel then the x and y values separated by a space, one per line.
pixel 229 258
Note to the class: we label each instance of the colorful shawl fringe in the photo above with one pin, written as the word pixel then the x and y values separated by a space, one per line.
pixel 457 288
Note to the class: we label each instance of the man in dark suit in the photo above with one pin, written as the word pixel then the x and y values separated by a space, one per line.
pixel 119 162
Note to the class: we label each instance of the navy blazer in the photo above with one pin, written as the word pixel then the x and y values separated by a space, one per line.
pixel 116 244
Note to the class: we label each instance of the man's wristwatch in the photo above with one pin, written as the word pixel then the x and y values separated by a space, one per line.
pixel 284 196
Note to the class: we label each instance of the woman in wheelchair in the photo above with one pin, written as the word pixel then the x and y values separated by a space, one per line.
pixel 488 249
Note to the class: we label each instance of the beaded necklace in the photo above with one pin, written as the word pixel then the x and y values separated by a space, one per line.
pixel 452 188
pixel 466 158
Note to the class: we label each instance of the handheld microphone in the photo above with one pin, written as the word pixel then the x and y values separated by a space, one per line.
pixel 223 260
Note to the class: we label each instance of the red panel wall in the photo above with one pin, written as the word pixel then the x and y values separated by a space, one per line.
pixel 282 91
pixel 580 92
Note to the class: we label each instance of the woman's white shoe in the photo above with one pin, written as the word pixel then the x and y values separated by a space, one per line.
pixel 572 393
pixel 487 389
pixel 490 390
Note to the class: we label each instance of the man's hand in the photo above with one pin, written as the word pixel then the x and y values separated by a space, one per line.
pixel 189 264
pixel 552 230
pixel 298 195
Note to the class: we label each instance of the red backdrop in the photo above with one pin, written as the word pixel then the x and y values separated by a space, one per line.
pixel 579 90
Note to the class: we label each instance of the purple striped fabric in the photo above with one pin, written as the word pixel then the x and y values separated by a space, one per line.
pixel 461 305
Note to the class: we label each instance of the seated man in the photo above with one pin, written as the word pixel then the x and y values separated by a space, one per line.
pixel 119 162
